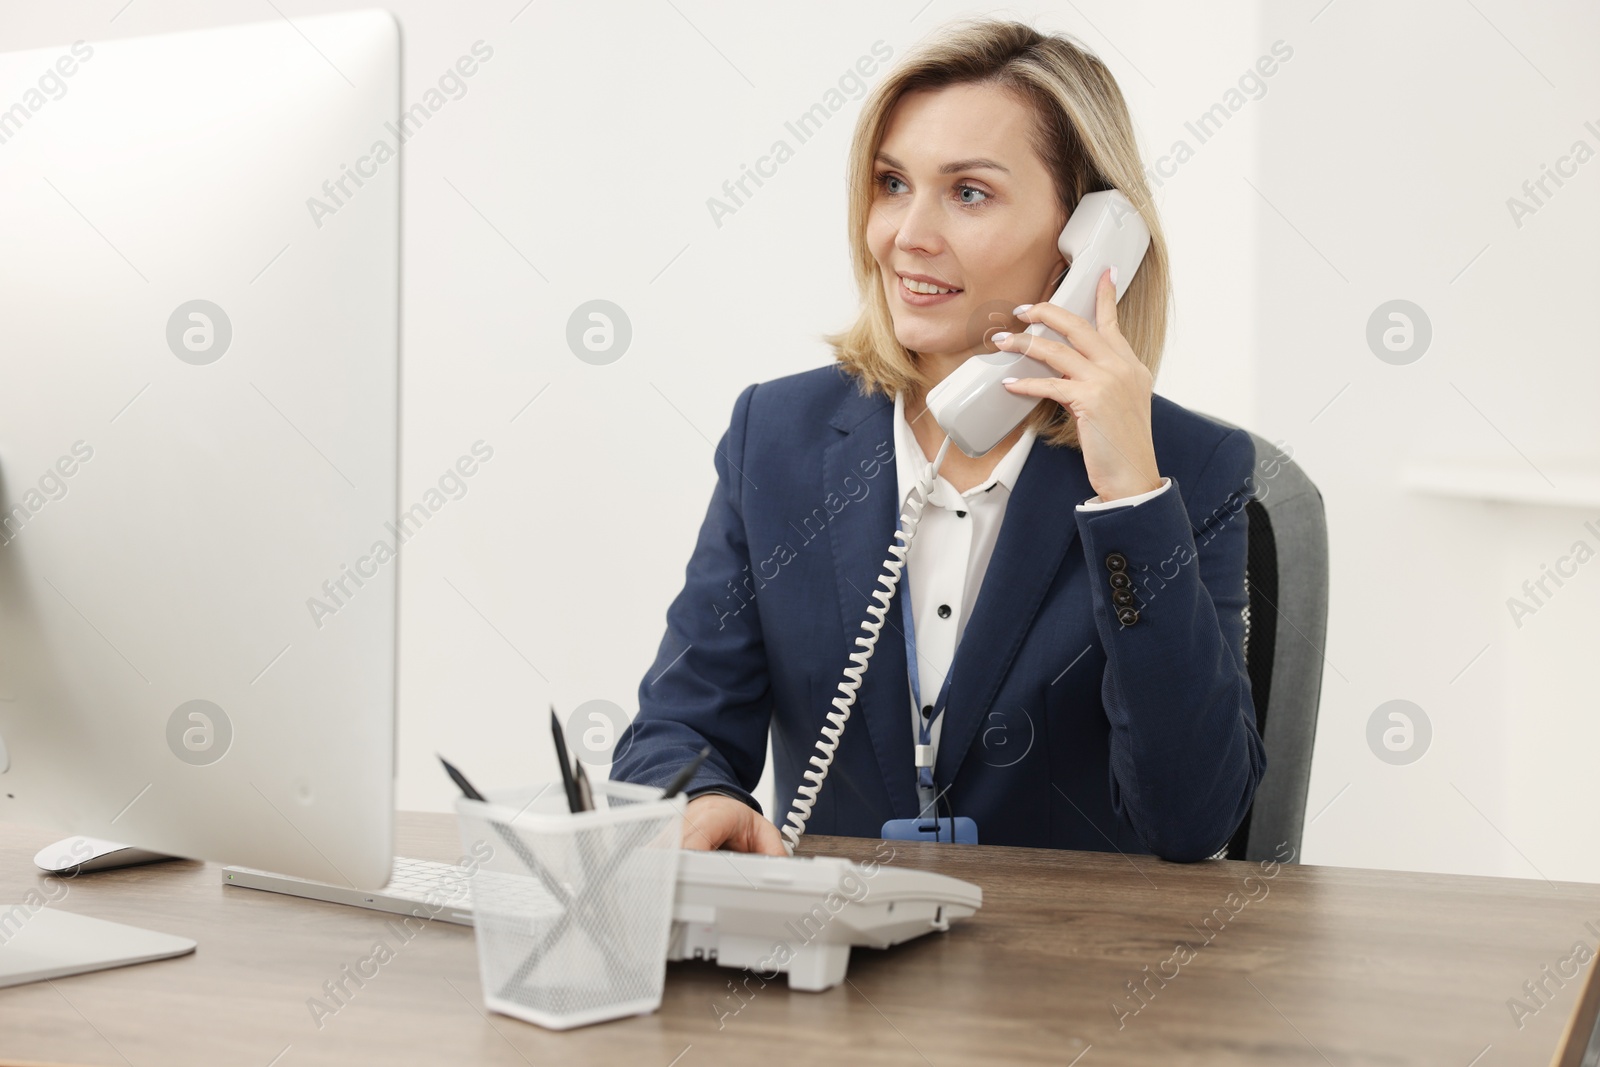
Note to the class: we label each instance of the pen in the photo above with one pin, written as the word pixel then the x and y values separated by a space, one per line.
pixel 574 804
pixel 682 778
pixel 517 844
pixel 460 780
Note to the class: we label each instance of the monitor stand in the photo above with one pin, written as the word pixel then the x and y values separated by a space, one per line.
pixel 37 943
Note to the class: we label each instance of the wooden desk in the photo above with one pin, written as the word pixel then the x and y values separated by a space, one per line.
pixel 1313 965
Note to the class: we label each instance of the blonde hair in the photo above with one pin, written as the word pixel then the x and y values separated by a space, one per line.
pixel 1083 134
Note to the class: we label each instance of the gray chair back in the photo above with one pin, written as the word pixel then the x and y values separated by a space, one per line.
pixel 1286 627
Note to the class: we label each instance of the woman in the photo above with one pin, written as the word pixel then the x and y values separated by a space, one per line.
pixel 1097 694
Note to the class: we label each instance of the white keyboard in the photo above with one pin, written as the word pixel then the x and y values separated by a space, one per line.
pixel 730 907
pixel 414 886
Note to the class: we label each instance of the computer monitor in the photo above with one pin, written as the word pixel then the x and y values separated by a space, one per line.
pixel 199 304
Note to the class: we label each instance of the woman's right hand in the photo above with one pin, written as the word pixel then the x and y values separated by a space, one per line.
pixel 717 821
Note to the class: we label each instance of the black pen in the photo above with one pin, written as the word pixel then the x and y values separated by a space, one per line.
pixel 460 780
pixel 573 803
pixel 682 778
pixel 516 844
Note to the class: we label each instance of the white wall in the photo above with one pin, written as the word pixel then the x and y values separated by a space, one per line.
pixel 579 164
pixel 1388 157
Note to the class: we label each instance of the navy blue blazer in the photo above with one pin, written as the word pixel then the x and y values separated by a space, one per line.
pixel 1065 728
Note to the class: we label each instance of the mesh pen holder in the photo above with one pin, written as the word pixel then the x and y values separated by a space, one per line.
pixel 572 911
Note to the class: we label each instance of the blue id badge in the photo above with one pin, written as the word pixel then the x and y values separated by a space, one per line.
pixel 929 829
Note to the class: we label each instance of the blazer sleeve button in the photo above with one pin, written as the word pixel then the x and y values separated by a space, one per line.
pixel 1116 561
pixel 1122 598
pixel 1120 580
pixel 1127 616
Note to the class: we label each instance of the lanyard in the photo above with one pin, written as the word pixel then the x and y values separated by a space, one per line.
pixel 924 750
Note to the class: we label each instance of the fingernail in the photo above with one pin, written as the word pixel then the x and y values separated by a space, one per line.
pixel 1020 309
pixel 1007 381
pixel 1113 274
pixel 1000 338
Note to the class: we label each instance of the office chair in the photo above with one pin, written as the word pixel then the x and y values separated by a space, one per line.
pixel 1285 631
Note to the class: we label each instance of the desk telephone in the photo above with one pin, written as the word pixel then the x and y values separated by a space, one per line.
pixel 976 412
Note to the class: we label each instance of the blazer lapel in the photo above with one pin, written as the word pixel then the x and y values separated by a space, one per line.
pixel 1039 530
pixel 860 536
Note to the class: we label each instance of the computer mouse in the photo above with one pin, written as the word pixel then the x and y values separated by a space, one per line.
pixel 79 855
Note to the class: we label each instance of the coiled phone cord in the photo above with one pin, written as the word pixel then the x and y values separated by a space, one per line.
pixel 828 743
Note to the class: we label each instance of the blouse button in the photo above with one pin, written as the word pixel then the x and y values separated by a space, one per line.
pixel 944 611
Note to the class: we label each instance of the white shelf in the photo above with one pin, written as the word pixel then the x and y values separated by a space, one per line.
pixel 1513 481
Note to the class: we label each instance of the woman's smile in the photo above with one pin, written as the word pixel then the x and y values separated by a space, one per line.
pixel 919 290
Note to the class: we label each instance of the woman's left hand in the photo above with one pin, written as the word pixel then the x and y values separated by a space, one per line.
pixel 1104 386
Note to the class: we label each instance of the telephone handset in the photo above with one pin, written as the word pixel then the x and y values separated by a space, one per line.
pixel 976 412
pixel 971 405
